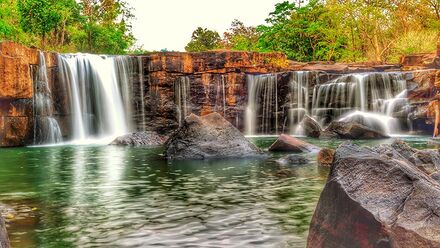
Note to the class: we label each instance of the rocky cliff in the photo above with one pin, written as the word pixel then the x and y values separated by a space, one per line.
pixel 171 85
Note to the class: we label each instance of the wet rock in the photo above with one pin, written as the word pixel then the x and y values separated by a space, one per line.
pixel 287 143
pixel 209 136
pixel 354 130
pixel 325 157
pixel 293 160
pixel 4 240
pixel 140 139
pixel 311 127
pixel 375 199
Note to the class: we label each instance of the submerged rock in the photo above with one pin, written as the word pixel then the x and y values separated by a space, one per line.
pixel 293 159
pixel 287 143
pixel 353 130
pixel 325 157
pixel 209 136
pixel 377 197
pixel 4 240
pixel 140 139
pixel 311 127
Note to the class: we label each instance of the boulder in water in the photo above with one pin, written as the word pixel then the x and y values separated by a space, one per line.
pixel 209 136
pixel 311 127
pixel 325 157
pixel 287 143
pixel 293 159
pixel 353 130
pixel 375 197
pixel 140 139
pixel 4 240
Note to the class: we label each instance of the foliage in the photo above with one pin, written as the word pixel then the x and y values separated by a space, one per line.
pixel 99 26
pixel 203 39
pixel 241 38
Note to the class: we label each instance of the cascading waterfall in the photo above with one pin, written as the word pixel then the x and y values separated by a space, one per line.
pixel 369 98
pixel 181 98
pixel 299 99
pixel 99 94
pixel 220 99
pixel 47 130
pixel 141 90
pixel 262 107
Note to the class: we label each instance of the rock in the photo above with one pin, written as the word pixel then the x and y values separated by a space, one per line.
pixel 287 143
pixel 325 157
pixel 140 139
pixel 354 130
pixel 293 159
pixel 209 136
pixel 311 127
pixel 4 240
pixel 373 199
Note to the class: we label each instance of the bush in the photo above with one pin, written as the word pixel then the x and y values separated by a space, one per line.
pixel 424 41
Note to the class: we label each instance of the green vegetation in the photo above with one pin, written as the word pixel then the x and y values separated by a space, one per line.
pixel 340 30
pixel 98 26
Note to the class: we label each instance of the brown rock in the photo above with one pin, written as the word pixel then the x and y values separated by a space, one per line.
pixel 140 139
pixel 325 157
pixel 287 143
pixel 311 127
pixel 375 199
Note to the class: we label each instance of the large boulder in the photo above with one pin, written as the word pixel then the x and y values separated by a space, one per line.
pixel 311 127
pixel 140 139
pixel 353 130
pixel 4 240
pixel 209 136
pixel 287 143
pixel 377 197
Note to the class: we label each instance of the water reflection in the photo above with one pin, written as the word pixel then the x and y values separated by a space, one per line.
pixel 88 196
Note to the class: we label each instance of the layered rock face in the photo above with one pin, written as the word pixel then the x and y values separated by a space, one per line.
pixel 17 91
pixel 209 136
pixel 379 197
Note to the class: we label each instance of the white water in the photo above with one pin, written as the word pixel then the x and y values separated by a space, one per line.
pixel 262 107
pixel 181 98
pixel 99 94
pixel 46 129
pixel 141 90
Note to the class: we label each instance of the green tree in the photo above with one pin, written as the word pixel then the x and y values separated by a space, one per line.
pixel 240 37
pixel 203 39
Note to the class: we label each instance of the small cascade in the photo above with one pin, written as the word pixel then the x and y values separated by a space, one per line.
pixel 125 68
pixel 182 98
pixel 262 107
pixel 299 99
pixel 47 130
pixel 141 91
pixel 220 98
pixel 370 98
pixel 99 93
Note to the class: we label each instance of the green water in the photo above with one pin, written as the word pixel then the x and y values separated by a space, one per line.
pixel 105 196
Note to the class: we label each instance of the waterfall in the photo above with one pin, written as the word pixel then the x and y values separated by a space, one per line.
pixel 262 107
pixel 299 99
pixel 46 128
pixel 100 94
pixel 220 99
pixel 181 98
pixel 370 98
pixel 141 90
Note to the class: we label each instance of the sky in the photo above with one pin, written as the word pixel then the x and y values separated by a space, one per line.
pixel 161 24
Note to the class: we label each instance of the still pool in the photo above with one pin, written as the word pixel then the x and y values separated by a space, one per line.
pixel 106 196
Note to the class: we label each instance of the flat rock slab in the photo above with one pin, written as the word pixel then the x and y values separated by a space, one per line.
pixel 378 197
pixel 140 139
pixel 209 136
pixel 352 130
pixel 287 143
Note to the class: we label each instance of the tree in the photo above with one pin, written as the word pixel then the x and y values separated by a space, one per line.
pixel 203 39
pixel 241 38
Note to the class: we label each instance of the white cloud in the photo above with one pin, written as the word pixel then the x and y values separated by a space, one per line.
pixel 169 24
